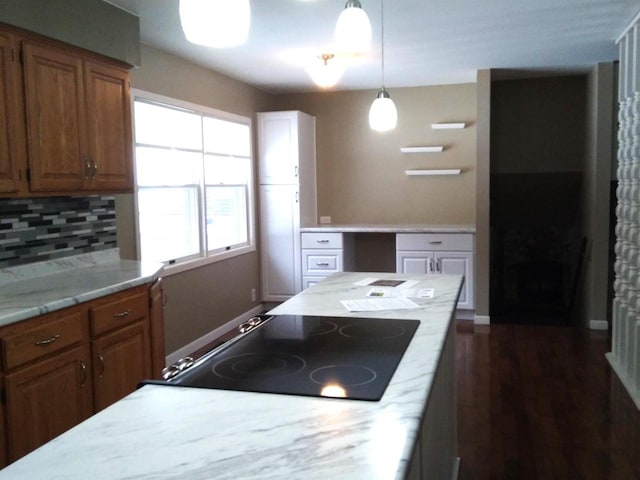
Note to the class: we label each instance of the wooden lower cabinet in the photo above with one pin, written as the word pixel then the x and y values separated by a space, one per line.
pixel 120 360
pixel 47 399
pixel 60 368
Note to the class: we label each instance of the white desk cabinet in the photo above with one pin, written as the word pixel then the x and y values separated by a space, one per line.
pixel 324 254
pixel 438 253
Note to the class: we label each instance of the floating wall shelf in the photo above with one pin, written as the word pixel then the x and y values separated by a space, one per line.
pixel 447 126
pixel 415 173
pixel 421 149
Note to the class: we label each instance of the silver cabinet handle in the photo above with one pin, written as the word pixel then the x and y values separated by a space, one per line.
pixel 295 171
pixel 121 314
pixel 101 366
pixel 41 343
pixel 322 264
pixel 322 241
pixel 84 374
pixel 435 242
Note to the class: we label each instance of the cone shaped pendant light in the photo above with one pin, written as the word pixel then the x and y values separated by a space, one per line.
pixel 383 115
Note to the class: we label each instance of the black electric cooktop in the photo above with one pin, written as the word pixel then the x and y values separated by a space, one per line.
pixel 341 357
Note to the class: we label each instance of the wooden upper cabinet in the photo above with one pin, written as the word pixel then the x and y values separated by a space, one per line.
pixel 78 120
pixel 56 123
pixel 12 146
pixel 109 120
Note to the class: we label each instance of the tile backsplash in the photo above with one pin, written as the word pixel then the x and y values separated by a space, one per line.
pixel 39 229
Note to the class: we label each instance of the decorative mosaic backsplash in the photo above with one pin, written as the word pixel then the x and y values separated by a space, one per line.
pixel 39 229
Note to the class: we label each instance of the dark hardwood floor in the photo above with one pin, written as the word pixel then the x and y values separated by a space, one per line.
pixel 541 402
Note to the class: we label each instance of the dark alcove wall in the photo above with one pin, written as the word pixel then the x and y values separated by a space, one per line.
pixel 538 129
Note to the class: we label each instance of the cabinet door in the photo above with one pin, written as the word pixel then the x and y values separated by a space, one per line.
pixel 47 399
pixel 458 263
pixel 56 123
pixel 280 238
pixel 120 361
pixel 12 146
pixel 278 148
pixel 109 120
pixel 417 263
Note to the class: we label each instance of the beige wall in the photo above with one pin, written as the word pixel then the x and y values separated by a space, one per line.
pixel 483 183
pixel 361 175
pixel 202 299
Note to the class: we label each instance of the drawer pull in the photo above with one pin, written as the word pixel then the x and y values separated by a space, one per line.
pixel 121 314
pixel 322 264
pixel 41 343
pixel 322 241
pixel 435 242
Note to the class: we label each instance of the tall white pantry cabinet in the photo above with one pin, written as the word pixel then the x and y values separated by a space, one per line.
pixel 287 176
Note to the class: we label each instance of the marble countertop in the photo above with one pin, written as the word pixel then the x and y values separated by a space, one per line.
pixel 160 432
pixel 389 228
pixel 31 290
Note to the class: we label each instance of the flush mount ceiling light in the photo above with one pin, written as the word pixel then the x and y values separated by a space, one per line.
pixel 353 29
pixel 215 23
pixel 323 73
pixel 383 115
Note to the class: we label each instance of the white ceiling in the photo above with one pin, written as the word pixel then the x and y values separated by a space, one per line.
pixel 427 42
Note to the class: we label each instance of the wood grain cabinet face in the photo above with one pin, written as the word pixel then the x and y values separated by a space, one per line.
pixel 120 361
pixel 47 399
pixel 79 122
pixel 56 122
pixel 61 367
pixel 12 144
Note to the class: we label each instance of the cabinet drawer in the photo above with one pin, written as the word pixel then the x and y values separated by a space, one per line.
pixel 321 240
pixel 53 333
pixel 435 241
pixel 323 262
pixel 119 312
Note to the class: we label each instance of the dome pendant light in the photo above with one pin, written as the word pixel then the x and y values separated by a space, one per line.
pixel 323 74
pixel 353 29
pixel 383 115
pixel 215 23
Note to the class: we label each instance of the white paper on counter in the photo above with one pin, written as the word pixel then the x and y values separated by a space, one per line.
pixel 378 304
pixel 393 292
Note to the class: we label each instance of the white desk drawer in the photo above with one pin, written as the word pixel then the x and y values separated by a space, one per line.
pixel 321 240
pixel 321 262
pixel 435 241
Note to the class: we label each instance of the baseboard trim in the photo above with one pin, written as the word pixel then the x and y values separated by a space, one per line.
pixel 482 320
pixel 211 336
pixel 598 325
pixel 465 314
pixel 627 382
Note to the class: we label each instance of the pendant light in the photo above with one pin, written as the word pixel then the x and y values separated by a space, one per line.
pixel 383 115
pixel 323 73
pixel 353 29
pixel 215 23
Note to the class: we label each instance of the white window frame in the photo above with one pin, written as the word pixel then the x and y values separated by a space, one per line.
pixel 204 257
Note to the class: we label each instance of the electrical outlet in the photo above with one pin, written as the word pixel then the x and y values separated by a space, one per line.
pixel 253 295
pixel 326 219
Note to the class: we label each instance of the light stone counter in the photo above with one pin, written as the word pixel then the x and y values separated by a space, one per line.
pixel 389 228
pixel 31 290
pixel 163 432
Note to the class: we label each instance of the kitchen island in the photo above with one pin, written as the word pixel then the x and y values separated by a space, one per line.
pixel 161 432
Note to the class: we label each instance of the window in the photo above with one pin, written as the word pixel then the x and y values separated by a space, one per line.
pixel 194 177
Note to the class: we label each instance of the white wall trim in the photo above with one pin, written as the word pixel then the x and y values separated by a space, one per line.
pixel 482 320
pixel 598 325
pixel 465 314
pixel 212 335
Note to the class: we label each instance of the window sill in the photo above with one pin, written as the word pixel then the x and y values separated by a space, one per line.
pixel 201 262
